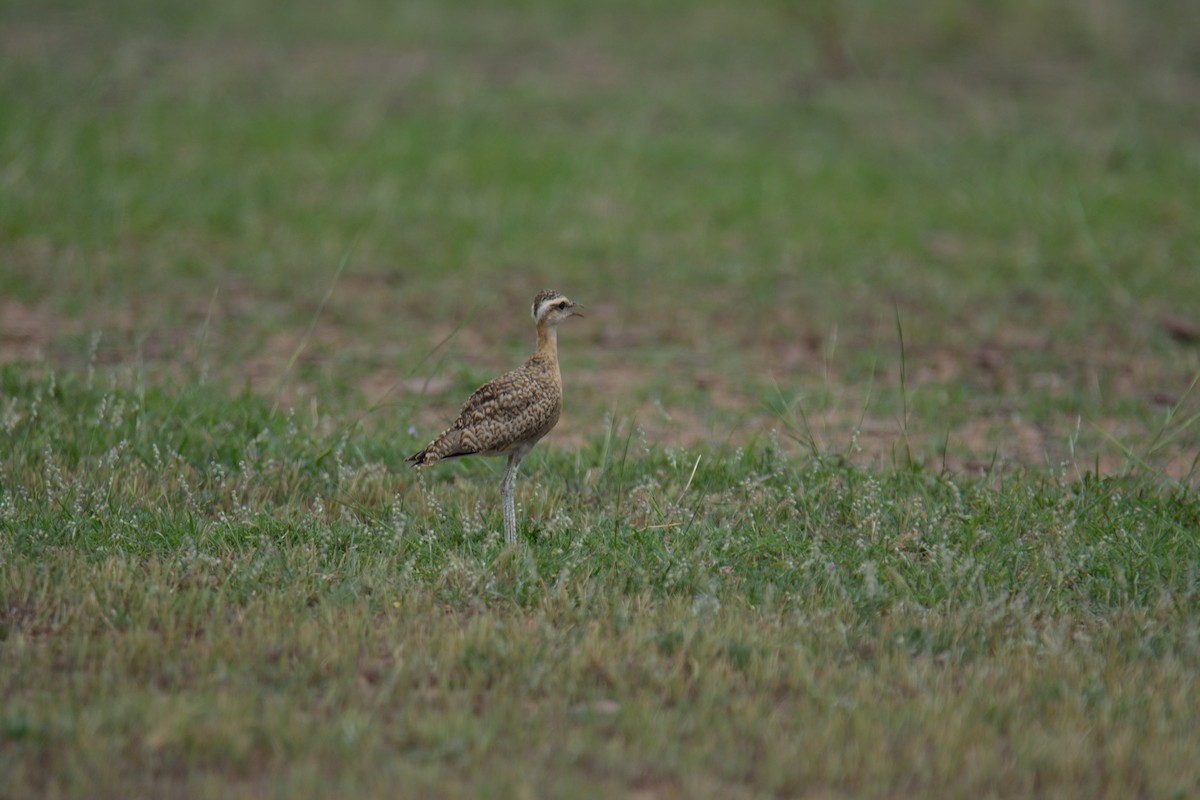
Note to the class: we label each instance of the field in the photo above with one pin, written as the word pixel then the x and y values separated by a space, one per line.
pixel 877 473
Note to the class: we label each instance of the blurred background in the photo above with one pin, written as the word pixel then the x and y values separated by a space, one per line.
pixel 967 229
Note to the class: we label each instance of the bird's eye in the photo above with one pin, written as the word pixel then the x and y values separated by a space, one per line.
pixel 562 305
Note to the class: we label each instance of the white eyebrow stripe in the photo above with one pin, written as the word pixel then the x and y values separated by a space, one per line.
pixel 543 306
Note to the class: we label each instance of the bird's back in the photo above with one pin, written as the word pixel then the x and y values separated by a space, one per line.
pixel 508 413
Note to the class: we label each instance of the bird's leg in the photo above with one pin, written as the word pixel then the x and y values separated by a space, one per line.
pixel 509 500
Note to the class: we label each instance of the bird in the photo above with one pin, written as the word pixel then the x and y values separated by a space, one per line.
pixel 510 414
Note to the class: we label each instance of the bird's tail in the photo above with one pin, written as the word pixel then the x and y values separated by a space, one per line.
pixel 447 445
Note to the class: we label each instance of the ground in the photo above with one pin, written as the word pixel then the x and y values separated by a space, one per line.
pixel 877 469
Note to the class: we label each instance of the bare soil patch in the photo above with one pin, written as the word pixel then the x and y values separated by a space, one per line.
pixel 27 331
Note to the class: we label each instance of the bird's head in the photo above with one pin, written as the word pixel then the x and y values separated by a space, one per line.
pixel 551 307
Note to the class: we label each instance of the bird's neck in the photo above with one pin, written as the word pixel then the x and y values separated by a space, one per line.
pixel 547 342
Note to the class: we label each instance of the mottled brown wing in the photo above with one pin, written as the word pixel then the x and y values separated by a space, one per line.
pixel 515 407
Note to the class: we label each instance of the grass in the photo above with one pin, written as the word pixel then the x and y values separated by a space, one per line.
pixel 202 597
pixel 877 474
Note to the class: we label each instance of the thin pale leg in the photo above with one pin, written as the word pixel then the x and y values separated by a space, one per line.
pixel 508 498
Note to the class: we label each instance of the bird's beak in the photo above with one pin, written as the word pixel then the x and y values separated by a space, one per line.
pixel 575 310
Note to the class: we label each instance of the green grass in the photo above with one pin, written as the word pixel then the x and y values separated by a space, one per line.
pixel 202 597
pixel 877 474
